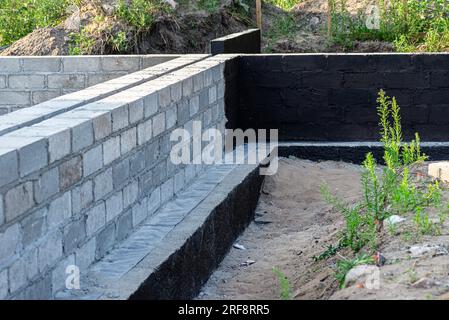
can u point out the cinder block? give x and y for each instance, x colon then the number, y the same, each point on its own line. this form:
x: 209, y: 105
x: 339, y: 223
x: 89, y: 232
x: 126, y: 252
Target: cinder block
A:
x: 81, y: 64
x: 152, y: 154
x: 176, y: 91
x: 204, y: 99
x: 187, y: 87
x: 151, y: 104
x: 120, y: 173
x: 194, y: 105
x: 42, y: 64
x: 120, y: 118
x: 15, y: 98
x: 117, y: 63
x: 59, y: 275
x: 105, y: 241
x: 171, y: 117
x: 208, y: 77
x: 158, y: 124
x: 103, y: 184
x: 102, y: 126
x: 137, y: 163
x: 85, y: 255
x: 4, y: 288
x: 183, y: 112
x: 2, y: 82
x: 44, y: 95
x: 60, y: 210
x: 11, y: 242
x: 212, y: 94
x: 167, y: 191
x: 31, y: 263
x: 50, y: 251
x: 26, y: 82
x: 144, y: 132
x: 66, y: 81
x: 136, y: 111
x: 220, y: 89
x: 47, y: 185
x: 198, y: 82
x: 179, y: 181
x: 40, y: 290
x: 82, y: 197
x: 93, y: 160
x: 114, y: 206
x: 74, y: 234
x: 2, y: 214
x: 9, y: 166
x: 139, y: 212
x: 10, y: 65
x: 17, y: 276
x: 82, y: 136
x: 111, y: 150
x: 33, y: 151
x: 70, y: 172
x: 34, y: 226
x: 128, y: 140
x: 154, y: 201
x: 18, y: 200
x: 96, y: 219
x: 146, y: 183
x: 164, y: 97
x: 160, y: 172
x: 130, y: 194
x: 124, y: 226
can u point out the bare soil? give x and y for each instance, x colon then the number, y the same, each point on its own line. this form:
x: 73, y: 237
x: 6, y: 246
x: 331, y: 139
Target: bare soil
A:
x: 293, y: 225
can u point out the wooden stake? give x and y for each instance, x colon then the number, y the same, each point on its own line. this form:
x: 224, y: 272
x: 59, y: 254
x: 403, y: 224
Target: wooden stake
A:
x: 329, y: 18
x: 259, y: 14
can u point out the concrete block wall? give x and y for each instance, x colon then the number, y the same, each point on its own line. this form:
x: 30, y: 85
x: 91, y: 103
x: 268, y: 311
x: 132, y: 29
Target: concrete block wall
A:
x: 332, y: 97
x: 27, y: 81
x: 74, y: 185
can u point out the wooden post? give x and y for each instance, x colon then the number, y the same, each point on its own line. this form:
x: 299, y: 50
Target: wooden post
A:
x: 329, y: 18
x: 259, y: 14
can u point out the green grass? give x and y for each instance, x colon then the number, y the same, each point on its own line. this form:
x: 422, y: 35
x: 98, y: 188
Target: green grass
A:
x: 284, y: 4
x: 345, y: 265
x: 141, y: 14
x: 411, y: 25
x: 283, y: 27
x: 20, y: 17
x: 284, y: 285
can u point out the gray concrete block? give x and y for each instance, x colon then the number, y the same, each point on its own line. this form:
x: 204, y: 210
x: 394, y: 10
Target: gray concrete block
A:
x: 102, y: 126
x: 151, y: 154
x: 17, y: 276
x: 103, y: 184
x: 120, y: 173
x: 11, y: 242
x: 2, y: 82
x: 167, y: 191
x: 96, y: 218
x: 187, y: 87
x: 93, y: 160
x: 4, y: 288
x: 208, y: 77
x: 120, y: 118
x: 44, y: 95
x: 128, y: 140
x: 40, y: 290
x: 146, y: 183
x: 66, y: 81
x: 158, y: 124
x: 82, y: 197
x: 136, y: 111
x: 114, y: 206
x: 212, y: 94
x: 221, y: 89
x: 160, y: 172
x: 34, y: 226
x: 81, y: 64
x: 59, y: 210
x: 111, y: 150
x: 50, y: 251
x: 82, y: 136
x: 194, y: 105
x: 164, y: 97
x: 47, y: 185
x: 179, y: 181
x: 144, y: 132
x: 154, y: 201
x: 74, y: 234
x: 70, y: 172
x: 105, y: 240
x: 114, y: 63
x: 26, y: 82
x: 204, y: 99
x: 18, y: 200
x: 59, y: 145
x: 9, y: 166
x: 31, y: 263
x: 124, y: 226
x: 171, y: 117
x: 16, y: 98
x: 139, y: 212
x: 42, y: 64
x: 2, y: 213
x: 151, y: 105
x: 59, y: 275
x: 130, y: 194
x: 137, y: 163
x: 85, y: 255
x: 183, y: 112
x: 10, y: 65
x: 176, y: 91
x: 198, y: 82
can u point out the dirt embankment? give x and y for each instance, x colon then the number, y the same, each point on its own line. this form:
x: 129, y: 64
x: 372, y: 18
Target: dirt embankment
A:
x: 293, y: 225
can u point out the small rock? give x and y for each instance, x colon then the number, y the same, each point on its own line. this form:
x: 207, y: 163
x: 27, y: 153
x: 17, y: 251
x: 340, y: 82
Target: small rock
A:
x: 394, y: 219
x: 427, y: 250
x: 314, y: 21
x: 239, y: 246
x: 247, y: 263
x: 172, y: 3
x: 361, y: 274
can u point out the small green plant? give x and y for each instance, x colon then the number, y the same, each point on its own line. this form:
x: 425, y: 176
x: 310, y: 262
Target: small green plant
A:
x: 119, y: 42
x: 284, y: 284
x: 283, y: 27
x: 80, y: 43
x: 284, y: 4
x: 209, y: 5
x: 345, y: 265
x: 141, y: 14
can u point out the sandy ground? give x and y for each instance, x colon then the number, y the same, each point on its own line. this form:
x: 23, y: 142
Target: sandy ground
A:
x: 293, y: 224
